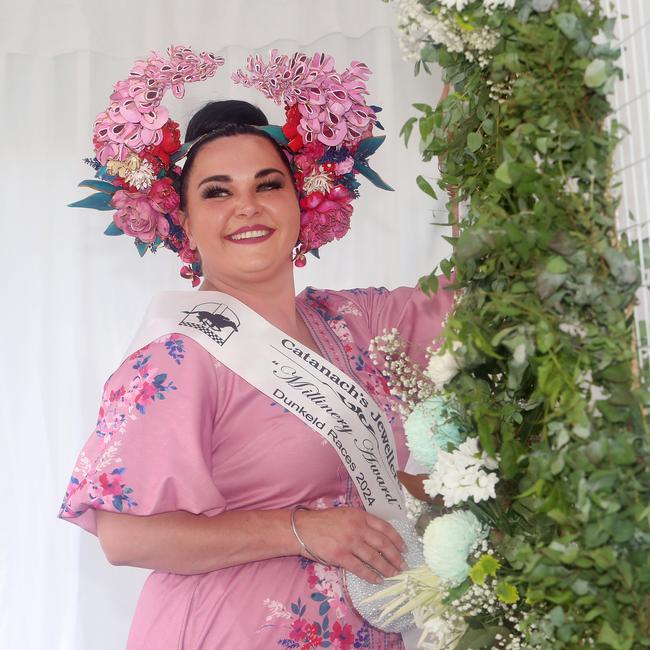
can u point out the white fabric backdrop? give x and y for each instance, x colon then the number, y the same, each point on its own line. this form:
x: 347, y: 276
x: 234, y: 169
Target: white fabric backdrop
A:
x: 632, y: 102
x: 73, y: 297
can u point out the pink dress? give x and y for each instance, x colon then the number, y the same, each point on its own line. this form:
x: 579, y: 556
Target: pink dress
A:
x: 177, y: 430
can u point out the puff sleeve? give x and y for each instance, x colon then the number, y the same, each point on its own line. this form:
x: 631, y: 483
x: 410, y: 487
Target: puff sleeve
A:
x: 151, y: 449
x: 418, y: 317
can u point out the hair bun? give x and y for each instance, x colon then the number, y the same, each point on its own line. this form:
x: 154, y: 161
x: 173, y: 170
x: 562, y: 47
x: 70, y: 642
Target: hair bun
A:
x: 228, y: 111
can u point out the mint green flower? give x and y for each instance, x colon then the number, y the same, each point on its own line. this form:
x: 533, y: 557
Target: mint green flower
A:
x: 433, y: 424
x: 448, y: 541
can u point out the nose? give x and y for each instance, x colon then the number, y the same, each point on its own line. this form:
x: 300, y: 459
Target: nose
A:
x: 248, y: 204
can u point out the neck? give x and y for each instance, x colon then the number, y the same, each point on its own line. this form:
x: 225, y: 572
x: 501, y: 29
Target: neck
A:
x: 274, y: 299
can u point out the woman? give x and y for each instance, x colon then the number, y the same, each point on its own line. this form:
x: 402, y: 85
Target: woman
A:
x: 195, y: 474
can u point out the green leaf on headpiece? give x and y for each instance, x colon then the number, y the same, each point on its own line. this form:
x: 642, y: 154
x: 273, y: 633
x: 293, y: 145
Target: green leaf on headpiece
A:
x: 113, y: 230
x: 141, y: 246
x: 368, y: 146
x: 98, y: 201
x: 181, y: 153
x: 275, y: 132
x: 372, y: 175
x: 100, y: 186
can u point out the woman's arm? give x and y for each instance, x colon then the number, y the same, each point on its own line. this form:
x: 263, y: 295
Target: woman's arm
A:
x: 181, y: 542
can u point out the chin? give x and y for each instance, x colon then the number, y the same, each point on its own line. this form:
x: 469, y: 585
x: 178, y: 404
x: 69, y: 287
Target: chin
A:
x: 250, y: 268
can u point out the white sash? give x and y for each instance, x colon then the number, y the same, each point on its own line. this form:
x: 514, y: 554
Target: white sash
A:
x: 295, y: 377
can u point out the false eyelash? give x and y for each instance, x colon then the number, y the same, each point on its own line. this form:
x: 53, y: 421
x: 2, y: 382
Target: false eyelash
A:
x: 213, y: 191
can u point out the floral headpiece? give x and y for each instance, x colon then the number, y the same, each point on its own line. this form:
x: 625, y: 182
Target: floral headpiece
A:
x: 329, y: 131
x: 328, y: 134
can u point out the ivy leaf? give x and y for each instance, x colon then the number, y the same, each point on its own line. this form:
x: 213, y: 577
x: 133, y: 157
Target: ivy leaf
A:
x: 502, y: 174
x: 596, y: 73
x: 557, y: 265
x: 429, y: 53
x: 429, y: 283
x: 567, y: 23
x: 424, y: 185
x: 542, y: 6
x: 474, y: 639
x: 542, y: 145
x: 474, y: 141
x: 423, y: 108
x: 407, y: 129
x: 608, y: 637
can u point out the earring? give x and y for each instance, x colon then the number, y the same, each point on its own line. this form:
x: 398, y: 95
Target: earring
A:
x: 298, y: 257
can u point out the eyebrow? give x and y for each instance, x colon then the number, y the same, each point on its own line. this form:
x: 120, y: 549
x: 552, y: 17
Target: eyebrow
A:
x: 223, y: 178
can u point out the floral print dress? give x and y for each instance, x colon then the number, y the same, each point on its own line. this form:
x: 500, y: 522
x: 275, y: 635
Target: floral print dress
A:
x: 177, y: 430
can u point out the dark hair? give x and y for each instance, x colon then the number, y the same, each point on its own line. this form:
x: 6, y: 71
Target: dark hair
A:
x: 221, y: 119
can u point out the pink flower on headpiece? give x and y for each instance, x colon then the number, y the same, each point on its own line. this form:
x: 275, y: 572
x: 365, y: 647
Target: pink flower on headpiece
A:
x: 136, y: 216
x: 325, y: 217
x: 332, y: 107
x: 344, y: 167
x: 163, y: 196
x: 136, y: 117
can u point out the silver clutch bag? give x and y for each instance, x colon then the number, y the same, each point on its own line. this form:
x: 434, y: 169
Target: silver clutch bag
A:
x: 359, y: 590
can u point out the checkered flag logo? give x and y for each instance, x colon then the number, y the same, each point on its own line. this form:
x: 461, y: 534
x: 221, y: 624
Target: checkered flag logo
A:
x: 214, y: 319
x: 206, y: 330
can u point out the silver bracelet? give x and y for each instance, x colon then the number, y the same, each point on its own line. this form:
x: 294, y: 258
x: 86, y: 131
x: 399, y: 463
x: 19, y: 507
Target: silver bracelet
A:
x: 295, y: 532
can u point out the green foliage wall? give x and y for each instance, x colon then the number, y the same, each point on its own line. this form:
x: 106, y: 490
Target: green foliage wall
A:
x: 545, y: 321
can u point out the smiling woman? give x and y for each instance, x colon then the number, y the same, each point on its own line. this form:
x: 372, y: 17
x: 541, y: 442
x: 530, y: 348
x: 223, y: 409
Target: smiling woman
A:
x: 247, y: 512
x: 237, y: 188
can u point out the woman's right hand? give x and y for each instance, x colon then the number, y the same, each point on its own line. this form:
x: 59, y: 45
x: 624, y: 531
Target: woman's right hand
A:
x: 352, y: 539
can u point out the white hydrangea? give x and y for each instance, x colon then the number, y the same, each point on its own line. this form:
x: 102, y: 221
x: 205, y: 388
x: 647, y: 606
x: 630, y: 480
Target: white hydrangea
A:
x: 448, y: 541
x: 461, y: 475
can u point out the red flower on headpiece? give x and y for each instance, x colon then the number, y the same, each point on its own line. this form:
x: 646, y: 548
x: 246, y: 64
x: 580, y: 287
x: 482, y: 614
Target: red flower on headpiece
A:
x: 169, y: 145
x: 290, y: 129
x: 163, y: 196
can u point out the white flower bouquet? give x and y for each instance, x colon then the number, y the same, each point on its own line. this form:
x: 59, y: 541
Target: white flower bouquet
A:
x: 461, y: 594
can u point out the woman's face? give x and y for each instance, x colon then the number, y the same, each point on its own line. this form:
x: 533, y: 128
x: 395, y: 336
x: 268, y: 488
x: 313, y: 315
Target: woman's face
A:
x: 241, y: 210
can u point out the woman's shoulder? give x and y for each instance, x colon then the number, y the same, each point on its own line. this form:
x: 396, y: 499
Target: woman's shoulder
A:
x: 334, y: 298
x: 172, y: 356
x: 367, y: 297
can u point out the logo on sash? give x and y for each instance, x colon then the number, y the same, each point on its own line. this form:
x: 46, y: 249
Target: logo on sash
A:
x: 214, y: 319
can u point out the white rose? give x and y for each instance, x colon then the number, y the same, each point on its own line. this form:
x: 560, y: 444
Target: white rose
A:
x: 443, y: 367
